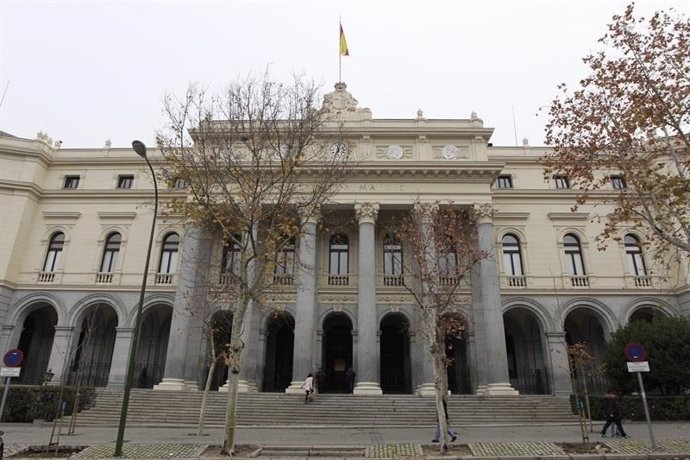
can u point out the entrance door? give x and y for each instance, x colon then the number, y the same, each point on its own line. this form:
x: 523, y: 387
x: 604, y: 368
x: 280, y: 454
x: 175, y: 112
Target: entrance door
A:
x: 458, y: 371
x: 280, y: 339
x: 395, y: 354
x: 337, y: 353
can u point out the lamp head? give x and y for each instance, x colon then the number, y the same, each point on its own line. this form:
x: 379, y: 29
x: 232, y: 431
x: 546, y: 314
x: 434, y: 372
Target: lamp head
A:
x: 140, y: 148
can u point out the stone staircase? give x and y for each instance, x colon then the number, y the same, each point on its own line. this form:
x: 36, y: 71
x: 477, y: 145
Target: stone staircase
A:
x: 163, y: 408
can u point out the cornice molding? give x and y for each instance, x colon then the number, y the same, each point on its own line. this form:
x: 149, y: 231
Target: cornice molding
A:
x: 579, y: 216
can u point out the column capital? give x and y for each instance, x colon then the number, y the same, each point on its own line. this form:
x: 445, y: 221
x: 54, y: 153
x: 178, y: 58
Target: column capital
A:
x: 366, y: 212
x: 485, y: 212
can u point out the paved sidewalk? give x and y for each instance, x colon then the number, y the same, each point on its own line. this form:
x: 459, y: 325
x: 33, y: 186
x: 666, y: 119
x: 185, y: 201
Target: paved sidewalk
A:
x: 504, y: 439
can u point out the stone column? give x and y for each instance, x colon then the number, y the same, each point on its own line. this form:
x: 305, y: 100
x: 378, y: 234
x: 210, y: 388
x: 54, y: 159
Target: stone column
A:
x: 303, y: 357
x: 190, y: 298
x: 118, y: 366
x: 560, y: 367
x: 367, y: 327
x: 428, y: 385
x: 479, y: 349
x: 60, y: 353
x: 492, y: 326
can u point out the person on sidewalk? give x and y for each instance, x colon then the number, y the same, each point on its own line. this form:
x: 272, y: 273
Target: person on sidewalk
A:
x: 308, y: 386
x: 437, y: 434
x: 612, y: 413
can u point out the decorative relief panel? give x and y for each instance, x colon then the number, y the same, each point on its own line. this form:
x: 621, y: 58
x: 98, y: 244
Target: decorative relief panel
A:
x: 451, y: 152
x: 337, y: 299
x: 394, y: 299
x: 281, y: 299
x: 393, y: 152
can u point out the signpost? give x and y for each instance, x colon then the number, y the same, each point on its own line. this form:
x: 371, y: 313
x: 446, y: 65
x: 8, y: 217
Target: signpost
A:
x: 637, y: 363
x: 12, y: 362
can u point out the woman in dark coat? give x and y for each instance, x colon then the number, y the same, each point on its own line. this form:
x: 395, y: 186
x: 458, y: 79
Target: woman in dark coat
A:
x: 612, y: 413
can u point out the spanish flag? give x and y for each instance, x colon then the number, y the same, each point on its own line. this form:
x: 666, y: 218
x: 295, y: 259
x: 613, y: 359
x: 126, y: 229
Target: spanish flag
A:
x: 343, y: 43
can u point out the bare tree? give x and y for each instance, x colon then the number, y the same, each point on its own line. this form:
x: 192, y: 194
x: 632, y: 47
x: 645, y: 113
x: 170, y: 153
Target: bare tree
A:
x: 256, y: 163
x: 442, y: 239
x: 622, y: 137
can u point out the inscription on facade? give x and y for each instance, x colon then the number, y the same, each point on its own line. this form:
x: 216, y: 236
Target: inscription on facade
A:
x: 382, y: 188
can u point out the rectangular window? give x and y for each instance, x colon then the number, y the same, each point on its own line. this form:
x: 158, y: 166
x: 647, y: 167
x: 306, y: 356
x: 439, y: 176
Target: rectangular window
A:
x: 71, y: 182
x: 618, y: 183
x: 125, y: 181
x: 561, y: 181
x: 505, y: 181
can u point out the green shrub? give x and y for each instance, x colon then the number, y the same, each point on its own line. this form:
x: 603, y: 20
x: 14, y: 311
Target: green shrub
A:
x: 25, y: 403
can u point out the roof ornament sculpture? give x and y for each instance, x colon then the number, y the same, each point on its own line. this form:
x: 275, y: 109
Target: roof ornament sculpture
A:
x: 341, y: 103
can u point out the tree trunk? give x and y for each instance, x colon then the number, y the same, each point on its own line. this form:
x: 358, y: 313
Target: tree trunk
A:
x: 204, y: 399
x: 231, y: 413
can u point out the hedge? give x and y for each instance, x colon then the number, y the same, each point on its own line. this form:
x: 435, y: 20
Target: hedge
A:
x: 26, y: 403
x: 661, y: 408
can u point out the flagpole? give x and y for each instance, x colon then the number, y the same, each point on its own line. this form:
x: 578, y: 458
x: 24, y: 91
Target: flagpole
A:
x: 340, y: 54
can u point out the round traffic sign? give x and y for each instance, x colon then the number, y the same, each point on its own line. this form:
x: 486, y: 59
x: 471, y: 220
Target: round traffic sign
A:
x: 635, y: 352
x: 13, y: 358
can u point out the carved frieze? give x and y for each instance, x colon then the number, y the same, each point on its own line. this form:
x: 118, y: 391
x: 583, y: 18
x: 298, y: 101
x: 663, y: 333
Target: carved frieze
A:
x: 393, y: 152
x: 337, y: 299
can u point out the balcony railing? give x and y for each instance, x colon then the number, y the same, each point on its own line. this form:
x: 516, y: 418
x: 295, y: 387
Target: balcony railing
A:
x: 393, y: 280
x: 579, y: 280
x: 227, y: 279
x: 46, y: 277
x: 642, y: 281
x: 338, y: 280
x: 448, y: 281
x: 104, y: 278
x: 284, y: 279
x: 165, y: 279
x: 516, y: 280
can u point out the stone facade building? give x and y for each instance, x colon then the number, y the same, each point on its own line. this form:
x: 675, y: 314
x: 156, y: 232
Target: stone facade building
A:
x: 74, y: 234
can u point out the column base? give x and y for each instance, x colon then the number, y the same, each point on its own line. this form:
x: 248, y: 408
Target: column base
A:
x: 426, y: 389
x: 481, y: 390
x: 367, y: 388
x: 243, y: 386
x: 172, y: 385
x: 295, y: 388
x: 500, y: 389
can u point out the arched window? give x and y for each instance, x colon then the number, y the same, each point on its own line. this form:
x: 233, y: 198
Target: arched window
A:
x: 633, y: 249
x: 57, y: 243
x: 169, y: 252
x: 392, y: 261
x: 512, y: 259
x: 285, y: 263
x: 338, y: 262
x: 110, y: 253
x: 574, y: 262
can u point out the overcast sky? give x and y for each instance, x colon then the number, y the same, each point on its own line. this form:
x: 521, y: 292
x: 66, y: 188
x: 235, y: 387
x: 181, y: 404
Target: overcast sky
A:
x: 87, y: 71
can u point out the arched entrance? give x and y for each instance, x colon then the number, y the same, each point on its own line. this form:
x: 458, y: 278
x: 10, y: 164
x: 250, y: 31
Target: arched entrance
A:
x: 336, y: 353
x: 646, y: 313
x: 94, y: 349
x: 525, y: 349
x: 585, y: 325
x: 36, y: 341
x: 153, y: 345
x: 221, y: 324
x: 280, y: 339
x: 395, y: 354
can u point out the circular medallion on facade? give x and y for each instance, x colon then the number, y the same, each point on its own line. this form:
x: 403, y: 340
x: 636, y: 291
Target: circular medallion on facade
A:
x: 450, y: 152
x: 394, y: 152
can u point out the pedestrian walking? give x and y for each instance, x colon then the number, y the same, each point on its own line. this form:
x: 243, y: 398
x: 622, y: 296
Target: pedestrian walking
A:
x: 308, y: 386
x: 612, y: 414
x: 437, y: 434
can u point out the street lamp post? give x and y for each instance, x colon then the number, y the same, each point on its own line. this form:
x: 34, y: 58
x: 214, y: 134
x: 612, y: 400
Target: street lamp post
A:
x: 140, y: 149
